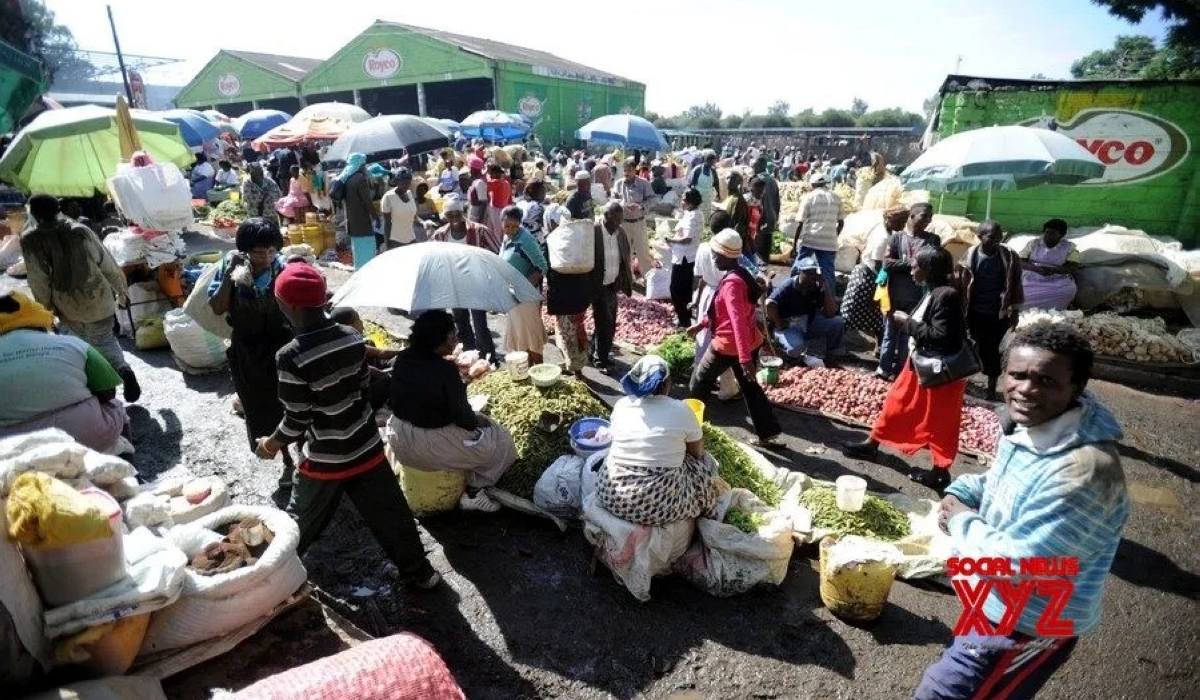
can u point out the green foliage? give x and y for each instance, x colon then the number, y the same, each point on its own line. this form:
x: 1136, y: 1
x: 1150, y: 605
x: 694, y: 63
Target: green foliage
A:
x: 736, y: 468
x: 779, y: 108
x: 744, y: 520
x: 878, y: 518
x: 893, y: 116
x: 679, y: 352
x: 1126, y: 60
x: 731, y: 121
x: 30, y: 27
x: 836, y: 117
x: 858, y: 107
x: 1181, y: 15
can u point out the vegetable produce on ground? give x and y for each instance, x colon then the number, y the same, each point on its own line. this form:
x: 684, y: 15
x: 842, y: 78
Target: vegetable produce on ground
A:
x: 679, y: 352
x: 736, y: 468
x: 878, y: 518
x: 640, y: 321
x: 859, y: 397
x: 228, y: 209
x: 744, y: 520
x: 379, y: 335
x: 1124, y: 337
x: 518, y: 406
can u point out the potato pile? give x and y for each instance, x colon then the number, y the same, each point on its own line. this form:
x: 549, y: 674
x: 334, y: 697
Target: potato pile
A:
x: 1123, y: 337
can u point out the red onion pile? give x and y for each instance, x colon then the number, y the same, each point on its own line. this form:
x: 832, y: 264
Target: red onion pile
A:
x: 859, y: 398
x: 640, y: 321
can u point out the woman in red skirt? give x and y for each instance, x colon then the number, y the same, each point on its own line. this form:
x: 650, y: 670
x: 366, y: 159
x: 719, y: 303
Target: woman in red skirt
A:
x: 916, y: 417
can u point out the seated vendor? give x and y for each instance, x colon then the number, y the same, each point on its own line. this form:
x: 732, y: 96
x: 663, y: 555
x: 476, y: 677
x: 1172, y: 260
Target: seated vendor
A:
x: 379, y: 360
x: 657, y: 472
x: 803, y: 308
x: 54, y: 381
x: 433, y: 427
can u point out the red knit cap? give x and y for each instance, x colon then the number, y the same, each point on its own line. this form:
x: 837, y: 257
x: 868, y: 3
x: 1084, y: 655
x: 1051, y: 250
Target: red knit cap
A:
x: 301, y: 285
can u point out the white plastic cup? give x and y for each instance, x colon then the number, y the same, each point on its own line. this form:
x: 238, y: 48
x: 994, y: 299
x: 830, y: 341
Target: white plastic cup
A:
x: 851, y: 492
x: 518, y: 365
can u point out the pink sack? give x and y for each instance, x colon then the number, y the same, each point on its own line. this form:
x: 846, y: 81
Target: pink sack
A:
x: 402, y: 666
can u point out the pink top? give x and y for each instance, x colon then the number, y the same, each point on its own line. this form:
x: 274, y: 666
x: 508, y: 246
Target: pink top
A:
x: 737, y: 332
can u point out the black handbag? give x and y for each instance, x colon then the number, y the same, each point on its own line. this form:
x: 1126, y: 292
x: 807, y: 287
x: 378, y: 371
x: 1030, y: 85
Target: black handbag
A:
x: 935, y: 370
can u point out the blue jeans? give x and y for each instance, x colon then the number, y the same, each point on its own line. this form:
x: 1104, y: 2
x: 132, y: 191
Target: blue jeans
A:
x: 825, y: 259
x: 793, y: 339
x: 473, y: 332
x: 895, y: 349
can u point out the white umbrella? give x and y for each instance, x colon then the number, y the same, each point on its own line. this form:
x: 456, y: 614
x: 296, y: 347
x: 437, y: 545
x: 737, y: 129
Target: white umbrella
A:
x: 437, y: 275
x: 1001, y: 158
x: 337, y: 111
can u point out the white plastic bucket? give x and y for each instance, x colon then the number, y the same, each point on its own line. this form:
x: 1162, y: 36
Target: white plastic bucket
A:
x: 851, y: 492
x: 518, y: 365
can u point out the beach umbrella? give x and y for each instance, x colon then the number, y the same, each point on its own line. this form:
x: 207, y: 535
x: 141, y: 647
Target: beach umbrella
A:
x: 339, y: 111
x: 1001, y: 158
x: 437, y: 275
x: 494, y: 126
x: 193, y: 126
x: 383, y: 138
x: 214, y: 116
x: 449, y: 125
x: 257, y: 122
x: 626, y: 129
x: 73, y: 152
x: 299, y: 130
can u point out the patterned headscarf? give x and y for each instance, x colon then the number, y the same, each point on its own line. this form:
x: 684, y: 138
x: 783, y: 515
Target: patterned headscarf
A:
x: 646, y: 376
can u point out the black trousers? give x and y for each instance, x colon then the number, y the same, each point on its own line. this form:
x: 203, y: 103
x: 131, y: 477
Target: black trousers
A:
x: 987, y: 330
x: 704, y: 380
x: 604, y: 313
x: 377, y: 497
x: 683, y: 276
x: 763, y: 241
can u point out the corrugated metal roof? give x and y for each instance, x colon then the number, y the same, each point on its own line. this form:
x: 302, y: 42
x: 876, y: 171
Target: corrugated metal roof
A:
x: 498, y: 51
x: 290, y: 67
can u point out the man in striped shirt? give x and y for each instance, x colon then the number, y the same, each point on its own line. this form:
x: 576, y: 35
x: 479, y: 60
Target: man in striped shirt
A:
x: 1056, y: 490
x: 323, y: 379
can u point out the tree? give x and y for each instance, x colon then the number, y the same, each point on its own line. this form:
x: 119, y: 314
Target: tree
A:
x: 707, y: 122
x: 1181, y: 15
x: 1177, y: 60
x: 890, y: 117
x: 858, y: 107
x: 930, y: 104
x: 835, y: 117
x: 1128, y: 57
x: 805, y: 119
x: 779, y: 108
x: 732, y: 121
x: 695, y: 112
x: 31, y: 28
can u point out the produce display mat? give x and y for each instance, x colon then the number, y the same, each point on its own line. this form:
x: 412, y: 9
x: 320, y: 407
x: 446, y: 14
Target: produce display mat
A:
x: 846, y: 420
x: 165, y: 664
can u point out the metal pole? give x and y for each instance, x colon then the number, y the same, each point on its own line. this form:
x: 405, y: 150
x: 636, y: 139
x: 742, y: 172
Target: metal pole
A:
x: 120, y: 56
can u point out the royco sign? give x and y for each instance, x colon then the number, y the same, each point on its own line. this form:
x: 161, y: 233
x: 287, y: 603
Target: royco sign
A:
x: 382, y: 64
x: 229, y: 85
x: 1134, y: 146
x: 1145, y: 133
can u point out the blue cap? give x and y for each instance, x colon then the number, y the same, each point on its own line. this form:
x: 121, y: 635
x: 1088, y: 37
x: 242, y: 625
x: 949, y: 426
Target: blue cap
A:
x: 808, y: 262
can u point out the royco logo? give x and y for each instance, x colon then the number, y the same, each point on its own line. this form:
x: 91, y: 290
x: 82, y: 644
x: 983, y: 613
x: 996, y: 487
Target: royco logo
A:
x: 229, y: 85
x: 382, y: 63
x: 1133, y: 146
x: 530, y: 106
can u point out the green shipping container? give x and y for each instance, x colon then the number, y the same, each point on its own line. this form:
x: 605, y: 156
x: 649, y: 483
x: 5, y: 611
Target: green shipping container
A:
x: 1145, y: 132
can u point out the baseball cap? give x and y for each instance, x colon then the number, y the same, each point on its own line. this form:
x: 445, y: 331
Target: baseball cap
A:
x: 301, y: 285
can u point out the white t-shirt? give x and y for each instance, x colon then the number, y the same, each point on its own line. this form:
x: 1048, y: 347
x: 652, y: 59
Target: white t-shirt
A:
x: 204, y: 169
x: 228, y: 177
x: 876, y: 247
x: 691, y: 225
x: 652, y: 432
x: 706, y: 267
x: 403, y: 214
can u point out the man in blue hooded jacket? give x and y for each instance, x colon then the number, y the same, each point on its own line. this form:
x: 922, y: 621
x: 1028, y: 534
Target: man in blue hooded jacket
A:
x: 1056, y: 490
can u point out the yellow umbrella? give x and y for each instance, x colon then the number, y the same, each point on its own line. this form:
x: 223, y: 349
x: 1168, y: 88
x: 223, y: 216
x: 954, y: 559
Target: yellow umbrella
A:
x: 127, y: 133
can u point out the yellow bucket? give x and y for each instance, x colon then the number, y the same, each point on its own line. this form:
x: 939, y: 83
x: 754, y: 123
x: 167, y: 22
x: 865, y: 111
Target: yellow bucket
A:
x: 235, y: 196
x: 314, y: 237
x: 427, y: 492
x: 697, y: 407
x: 858, y: 591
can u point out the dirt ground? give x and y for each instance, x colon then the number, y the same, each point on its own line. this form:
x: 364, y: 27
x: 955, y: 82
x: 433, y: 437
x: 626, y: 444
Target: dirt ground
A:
x: 525, y: 614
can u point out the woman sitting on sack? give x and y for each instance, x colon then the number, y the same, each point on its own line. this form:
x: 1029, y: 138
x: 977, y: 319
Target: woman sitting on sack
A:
x: 657, y: 471
x: 433, y: 427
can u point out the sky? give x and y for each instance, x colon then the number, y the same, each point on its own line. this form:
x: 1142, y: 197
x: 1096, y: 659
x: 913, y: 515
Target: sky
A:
x: 741, y: 56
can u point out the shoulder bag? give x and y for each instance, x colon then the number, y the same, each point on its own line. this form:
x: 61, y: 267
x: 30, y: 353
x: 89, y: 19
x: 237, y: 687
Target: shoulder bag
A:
x: 935, y: 369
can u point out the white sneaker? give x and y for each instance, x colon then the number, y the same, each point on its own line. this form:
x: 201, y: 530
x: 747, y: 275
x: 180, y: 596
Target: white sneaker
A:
x: 480, y: 502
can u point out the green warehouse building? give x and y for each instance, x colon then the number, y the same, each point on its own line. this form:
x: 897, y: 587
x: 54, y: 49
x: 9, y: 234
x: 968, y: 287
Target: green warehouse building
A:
x: 400, y: 69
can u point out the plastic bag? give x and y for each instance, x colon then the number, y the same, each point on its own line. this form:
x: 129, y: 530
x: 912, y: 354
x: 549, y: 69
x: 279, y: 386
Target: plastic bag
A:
x: 150, y: 334
x: 10, y: 251
x: 634, y: 553
x: 658, y: 283
x: 572, y: 247
x: 155, y: 196
x: 198, y: 309
x: 145, y: 301
x: 559, y: 489
x: 196, y: 350
x: 725, y: 561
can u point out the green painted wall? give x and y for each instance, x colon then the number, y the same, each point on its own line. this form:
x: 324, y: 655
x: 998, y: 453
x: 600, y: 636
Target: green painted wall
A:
x: 385, y: 55
x: 228, y: 80
x: 1148, y: 136
x: 558, y: 106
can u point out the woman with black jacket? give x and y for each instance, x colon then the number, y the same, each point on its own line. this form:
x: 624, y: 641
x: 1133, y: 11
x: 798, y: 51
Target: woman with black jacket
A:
x: 916, y: 417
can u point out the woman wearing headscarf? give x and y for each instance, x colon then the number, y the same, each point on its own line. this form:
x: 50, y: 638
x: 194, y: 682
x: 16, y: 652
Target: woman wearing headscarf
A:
x: 657, y: 471
x: 359, y: 204
x: 243, y: 291
x: 915, y: 417
x: 859, y: 307
x: 54, y: 381
x: 477, y: 193
x: 259, y: 193
x: 73, y: 275
x: 739, y: 211
x: 433, y: 427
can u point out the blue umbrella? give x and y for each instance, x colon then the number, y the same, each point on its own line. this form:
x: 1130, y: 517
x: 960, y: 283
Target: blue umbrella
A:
x: 626, y: 129
x: 494, y: 126
x: 257, y: 122
x: 194, y: 128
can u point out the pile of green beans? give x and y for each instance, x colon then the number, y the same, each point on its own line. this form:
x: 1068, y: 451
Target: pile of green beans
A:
x: 878, y: 518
